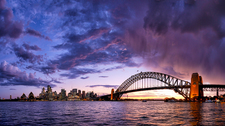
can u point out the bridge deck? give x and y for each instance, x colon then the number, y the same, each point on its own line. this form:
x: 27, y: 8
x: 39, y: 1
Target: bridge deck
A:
x: 166, y: 87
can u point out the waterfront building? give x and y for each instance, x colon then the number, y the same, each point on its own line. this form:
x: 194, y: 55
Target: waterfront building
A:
x: 88, y: 95
x: 43, y: 94
x: 63, y: 94
x: 49, y: 89
x: 83, y: 94
x: 73, y: 98
x: 23, y: 97
x: 79, y: 93
x: 10, y: 97
x: 74, y: 92
x: 54, y: 95
x: 49, y: 93
x: 59, y: 96
x: 70, y: 94
x: 31, y: 96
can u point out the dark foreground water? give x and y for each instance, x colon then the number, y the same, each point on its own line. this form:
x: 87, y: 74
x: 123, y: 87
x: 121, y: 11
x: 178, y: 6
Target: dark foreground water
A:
x: 111, y: 113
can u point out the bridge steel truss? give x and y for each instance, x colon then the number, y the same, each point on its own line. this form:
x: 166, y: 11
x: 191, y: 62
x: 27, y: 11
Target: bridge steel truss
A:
x: 180, y: 86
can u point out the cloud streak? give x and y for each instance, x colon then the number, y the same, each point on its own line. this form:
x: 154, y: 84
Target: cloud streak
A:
x: 36, y: 34
x: 103, y: 76
x: 105, y: 86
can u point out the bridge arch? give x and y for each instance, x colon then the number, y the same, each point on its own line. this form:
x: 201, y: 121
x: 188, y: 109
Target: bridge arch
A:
x: 179, y: 86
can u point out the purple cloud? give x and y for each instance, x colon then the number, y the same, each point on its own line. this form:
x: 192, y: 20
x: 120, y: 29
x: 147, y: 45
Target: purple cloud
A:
x: 8, y: 27
x: 74, y: 72
x: 29, y: 47
x: 11, y: 75
x: 26, y: 55
x: 37, y: 34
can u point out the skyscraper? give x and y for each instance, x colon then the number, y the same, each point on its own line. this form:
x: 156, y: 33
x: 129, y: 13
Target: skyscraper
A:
x: 74, y: 92
x: 63, y: 94
x: 79, y: 93
x: 49, y: 90
x: 83, y: 94
x: 43, y: 90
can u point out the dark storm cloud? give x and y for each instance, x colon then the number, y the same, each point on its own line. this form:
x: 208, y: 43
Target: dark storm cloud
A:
x: 26, y: 55
x: 11, y: 75
x: 8, y: 27
x: 37, y: 34
x: 183, y: 37
x: 185, y: 16
x: 106, y: 86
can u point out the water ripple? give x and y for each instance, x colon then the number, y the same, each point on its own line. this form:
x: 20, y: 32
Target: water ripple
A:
x: 101, y: 113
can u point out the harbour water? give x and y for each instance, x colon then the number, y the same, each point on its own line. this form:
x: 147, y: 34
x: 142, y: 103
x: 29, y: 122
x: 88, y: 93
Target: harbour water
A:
x: 118, y: 113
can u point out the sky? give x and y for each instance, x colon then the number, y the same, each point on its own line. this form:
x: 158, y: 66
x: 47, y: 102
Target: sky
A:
x: 95, y: 45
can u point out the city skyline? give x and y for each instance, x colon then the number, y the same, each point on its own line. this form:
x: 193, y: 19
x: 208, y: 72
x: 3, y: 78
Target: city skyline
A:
x: 97, y: 45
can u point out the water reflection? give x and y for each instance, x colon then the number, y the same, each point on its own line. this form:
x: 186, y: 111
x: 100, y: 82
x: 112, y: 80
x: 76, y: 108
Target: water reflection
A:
x: 196, y: 113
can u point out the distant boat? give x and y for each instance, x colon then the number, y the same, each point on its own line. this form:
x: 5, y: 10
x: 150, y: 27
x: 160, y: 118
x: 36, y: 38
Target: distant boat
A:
x: 217, y: 101
x: 209, y: 101
x: 144, y: 101
x: 171, y: 100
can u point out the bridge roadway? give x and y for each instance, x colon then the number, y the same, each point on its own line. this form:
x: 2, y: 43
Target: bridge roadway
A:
x: 212, y: 86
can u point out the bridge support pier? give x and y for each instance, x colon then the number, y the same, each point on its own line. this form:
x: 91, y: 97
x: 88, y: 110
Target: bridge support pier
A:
x: 196, y: 91
x: 112, y: 96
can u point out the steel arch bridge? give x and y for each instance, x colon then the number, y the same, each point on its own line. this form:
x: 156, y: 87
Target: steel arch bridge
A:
x: 169, y: 82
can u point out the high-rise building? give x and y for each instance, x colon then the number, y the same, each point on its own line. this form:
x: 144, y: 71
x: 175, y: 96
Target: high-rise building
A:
x: 79, y: 93
x: 83, y: 94
x: 49, y: 89
x: 43, y: 90
x: 88, y: 95
x: 10, y: 97
x: 63, y: 94
x: 74, y: 92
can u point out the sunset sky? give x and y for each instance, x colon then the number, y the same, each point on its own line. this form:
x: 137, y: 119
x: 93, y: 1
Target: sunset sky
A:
x: 95, y: 45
